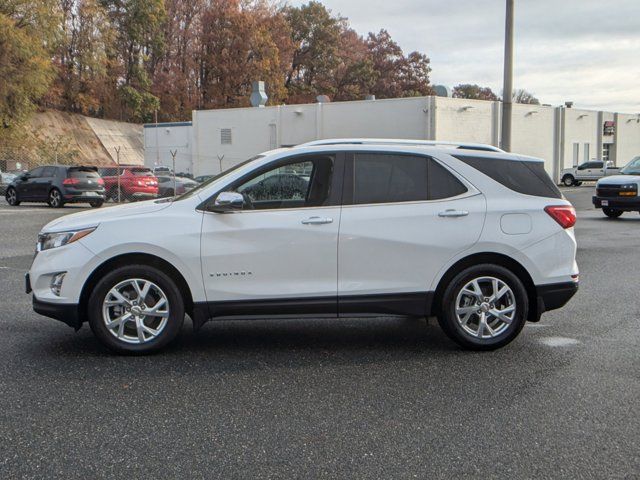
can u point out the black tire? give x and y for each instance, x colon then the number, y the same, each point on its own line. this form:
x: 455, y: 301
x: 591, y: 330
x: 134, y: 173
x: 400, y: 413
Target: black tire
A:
x: 96, y: 203
x: 568, y: 181
x: 144, y: 272
x: 611, y: 212
x: 577, y: 184
x: 11, y: 196
x: 55, y: 199
x: 454, y: 330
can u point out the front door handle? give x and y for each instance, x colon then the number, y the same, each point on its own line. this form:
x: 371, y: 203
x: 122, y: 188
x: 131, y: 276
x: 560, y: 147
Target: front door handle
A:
x: 453, y: 213
x: 317, y: 220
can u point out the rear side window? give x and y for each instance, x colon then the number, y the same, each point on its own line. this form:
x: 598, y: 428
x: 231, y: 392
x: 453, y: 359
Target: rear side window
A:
x: 82, y: 173
x: 48, y: 172
x: 141, y: 172
x: 391, y: 178
x: 521, y: 176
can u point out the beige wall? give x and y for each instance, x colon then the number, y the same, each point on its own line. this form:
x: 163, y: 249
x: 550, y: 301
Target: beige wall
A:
x: 627, y: 138
x: 464, y: 120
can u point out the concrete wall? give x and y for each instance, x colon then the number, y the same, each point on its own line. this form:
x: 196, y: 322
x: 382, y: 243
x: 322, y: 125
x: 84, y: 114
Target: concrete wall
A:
x: 160, y: 141
x: 539, y: 131
x: 627, y: 138
x: 461, y: 120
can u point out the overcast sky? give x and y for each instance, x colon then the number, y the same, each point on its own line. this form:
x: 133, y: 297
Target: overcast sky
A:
x: 587, y: 51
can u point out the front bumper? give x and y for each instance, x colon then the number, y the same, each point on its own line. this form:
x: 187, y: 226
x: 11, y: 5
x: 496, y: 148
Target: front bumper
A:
x: 555, y: 295
x: 68, y: 313
x: 630, y: 204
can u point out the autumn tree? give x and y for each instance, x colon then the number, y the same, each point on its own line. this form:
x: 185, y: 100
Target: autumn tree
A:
x: 474, y: 92
x: 522, y: 96
x: 27, y: 36
x: 134, y: 55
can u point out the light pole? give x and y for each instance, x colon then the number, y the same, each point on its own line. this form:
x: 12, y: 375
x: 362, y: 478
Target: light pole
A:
x: 507, y: 89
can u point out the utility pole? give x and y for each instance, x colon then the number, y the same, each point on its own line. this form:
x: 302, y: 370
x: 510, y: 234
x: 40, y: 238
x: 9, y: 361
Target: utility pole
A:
x: 507, y: 90
x: 173, y: 162
x: 117, y: 149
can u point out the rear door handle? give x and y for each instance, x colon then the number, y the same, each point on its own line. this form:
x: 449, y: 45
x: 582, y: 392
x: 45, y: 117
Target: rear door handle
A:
x: 317, y: 220
x: 453, y: 213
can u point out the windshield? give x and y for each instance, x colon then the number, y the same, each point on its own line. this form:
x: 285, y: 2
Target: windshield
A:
x: 632, y: 168
x: 215, y: 178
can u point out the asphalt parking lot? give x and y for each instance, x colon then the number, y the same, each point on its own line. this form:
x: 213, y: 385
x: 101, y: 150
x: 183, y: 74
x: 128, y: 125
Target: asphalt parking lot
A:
x: 382, y: 398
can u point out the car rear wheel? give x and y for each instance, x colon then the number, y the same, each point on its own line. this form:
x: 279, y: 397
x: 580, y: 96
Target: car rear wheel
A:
x: 484, y: 307
x: 96, y: 203
x: 11, y: 196
x: 136, y: 309
x: 612, y: 212
x: 568, y: 180
x: 55, y: 199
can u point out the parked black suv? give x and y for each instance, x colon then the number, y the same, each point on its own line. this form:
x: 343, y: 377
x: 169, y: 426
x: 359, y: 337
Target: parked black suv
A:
x: 57, y: 185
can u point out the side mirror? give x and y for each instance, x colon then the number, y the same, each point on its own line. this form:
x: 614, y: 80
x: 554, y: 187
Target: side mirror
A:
x: 228, y: 202
x: 24, y: 176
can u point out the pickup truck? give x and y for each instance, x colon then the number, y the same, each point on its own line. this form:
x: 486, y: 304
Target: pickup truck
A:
x: 587, y: 172
x: 619, y: 193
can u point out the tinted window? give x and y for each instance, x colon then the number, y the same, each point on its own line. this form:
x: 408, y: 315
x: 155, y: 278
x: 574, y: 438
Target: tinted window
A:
x: 528, y: 177
x: 36, y: 172
x: 141, y: 172
x: 82, y: 173
x: 293, y: 185
x: 595, y: 165
x: 49, y: 172
x: 387, y: 178
x: 442, y: 183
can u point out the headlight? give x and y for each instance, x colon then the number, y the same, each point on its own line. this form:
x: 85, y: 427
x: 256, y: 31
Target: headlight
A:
x: 59, y: 239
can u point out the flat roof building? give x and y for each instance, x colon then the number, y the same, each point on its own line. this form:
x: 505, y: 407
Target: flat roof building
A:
x: 217, y: 139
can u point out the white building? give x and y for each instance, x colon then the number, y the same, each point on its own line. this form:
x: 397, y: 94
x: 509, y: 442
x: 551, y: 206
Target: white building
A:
x: 218, y: 139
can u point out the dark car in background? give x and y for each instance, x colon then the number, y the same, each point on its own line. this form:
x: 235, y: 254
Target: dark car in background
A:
x: 136, y: 183
x: 166, y: 187
x: 203, y: 178
x: 57, y: 185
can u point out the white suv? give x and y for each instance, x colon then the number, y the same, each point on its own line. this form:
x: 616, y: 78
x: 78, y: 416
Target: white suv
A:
x: 482, y: 240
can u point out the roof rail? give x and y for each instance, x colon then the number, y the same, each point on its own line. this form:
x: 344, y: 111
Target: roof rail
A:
x: 391, y: 141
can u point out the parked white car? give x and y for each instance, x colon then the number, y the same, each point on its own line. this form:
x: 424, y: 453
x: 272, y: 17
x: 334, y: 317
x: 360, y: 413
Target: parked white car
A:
x: 619, y: 193
x: 587, y: 172
x: 482, y: 240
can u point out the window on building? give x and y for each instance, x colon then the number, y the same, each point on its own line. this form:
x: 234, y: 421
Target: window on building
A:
x: 225, y: 136
x: 606, y: 152
x: 576, y: 154
x: 586, y: 152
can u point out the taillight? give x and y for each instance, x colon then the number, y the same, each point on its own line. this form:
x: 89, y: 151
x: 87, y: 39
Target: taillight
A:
x: 70, y: 181
x: 100, y: 181
x: 565, y: 215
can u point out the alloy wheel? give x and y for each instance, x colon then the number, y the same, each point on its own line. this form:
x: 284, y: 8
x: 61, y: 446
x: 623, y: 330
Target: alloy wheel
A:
x: 485, y: 307
x: 54, y: 198
x: 11, y: 196
x: 135, y: 311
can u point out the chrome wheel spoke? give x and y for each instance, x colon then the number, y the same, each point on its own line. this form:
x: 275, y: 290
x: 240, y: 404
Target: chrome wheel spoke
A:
x: 125, y: 311
x: 485, y: 307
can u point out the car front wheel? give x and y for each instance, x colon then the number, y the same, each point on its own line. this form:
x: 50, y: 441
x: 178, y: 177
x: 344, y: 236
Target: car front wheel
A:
x: 136, y: 309
x: 568, y: 180
x: 11, y: 196
x: 484, y: 307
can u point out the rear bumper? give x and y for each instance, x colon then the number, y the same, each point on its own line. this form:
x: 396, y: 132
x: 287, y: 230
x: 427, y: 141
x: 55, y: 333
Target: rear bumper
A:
x: 70, y: 195
x: 619, y: 203
x: 555, y: 295
x: 68, y: 313
x: 143, y: 195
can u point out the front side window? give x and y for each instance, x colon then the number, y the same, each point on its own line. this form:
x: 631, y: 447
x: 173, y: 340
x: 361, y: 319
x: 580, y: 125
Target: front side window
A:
x: 36, y: 172
x: 304, y: 183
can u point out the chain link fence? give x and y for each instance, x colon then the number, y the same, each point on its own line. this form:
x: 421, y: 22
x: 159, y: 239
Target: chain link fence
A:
x: 128, y: 182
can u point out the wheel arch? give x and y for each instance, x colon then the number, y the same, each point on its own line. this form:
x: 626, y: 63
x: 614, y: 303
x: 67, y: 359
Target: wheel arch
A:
x: 496, y: 259
x: 137, y: 258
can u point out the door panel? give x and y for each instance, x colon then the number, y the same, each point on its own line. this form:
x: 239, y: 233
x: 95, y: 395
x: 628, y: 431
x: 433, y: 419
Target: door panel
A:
x: 271, y: 254
x: 399, y: 248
